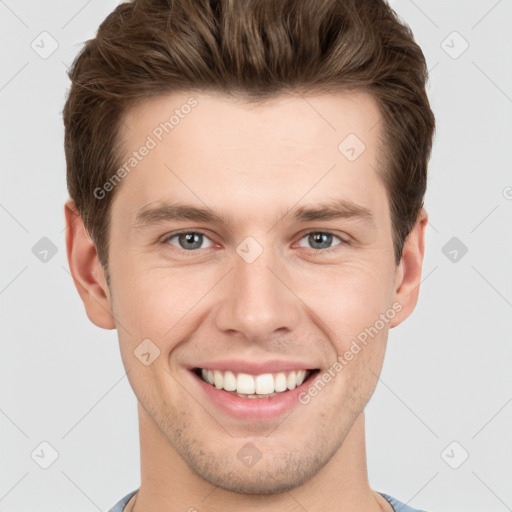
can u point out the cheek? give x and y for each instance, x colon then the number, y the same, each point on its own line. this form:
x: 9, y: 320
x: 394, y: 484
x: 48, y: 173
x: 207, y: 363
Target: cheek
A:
x: 353, y: 298
x: 362, y: 318
x: 158, y: 303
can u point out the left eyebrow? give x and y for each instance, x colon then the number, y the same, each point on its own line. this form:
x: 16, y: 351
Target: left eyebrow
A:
x: 338, y: 209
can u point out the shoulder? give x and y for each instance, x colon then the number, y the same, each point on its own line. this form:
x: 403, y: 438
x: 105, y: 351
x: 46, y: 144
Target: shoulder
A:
x: 398, y: 505
x: 119, y: 506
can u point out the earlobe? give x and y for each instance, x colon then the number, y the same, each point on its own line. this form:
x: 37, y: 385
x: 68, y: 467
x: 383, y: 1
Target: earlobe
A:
x: 86, y: 270
x: 408, y: 273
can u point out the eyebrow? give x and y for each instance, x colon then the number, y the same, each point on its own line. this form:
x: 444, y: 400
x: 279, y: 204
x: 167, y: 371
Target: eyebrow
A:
x: 336, y: 209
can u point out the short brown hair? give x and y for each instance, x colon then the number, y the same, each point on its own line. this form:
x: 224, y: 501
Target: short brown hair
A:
x: 254, y: 49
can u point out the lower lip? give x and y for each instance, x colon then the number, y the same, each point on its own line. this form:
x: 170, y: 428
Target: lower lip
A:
x: 254, y: 408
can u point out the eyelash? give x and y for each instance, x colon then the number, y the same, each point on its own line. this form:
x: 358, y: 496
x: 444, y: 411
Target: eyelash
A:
x: 315, y: 251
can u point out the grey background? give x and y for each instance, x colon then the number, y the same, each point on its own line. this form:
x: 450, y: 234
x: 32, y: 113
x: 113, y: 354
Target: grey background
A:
x: 446, y: 376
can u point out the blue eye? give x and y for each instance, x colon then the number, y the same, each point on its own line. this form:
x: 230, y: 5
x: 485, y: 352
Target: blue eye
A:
x: 320, y: 239
x: 189, y: 240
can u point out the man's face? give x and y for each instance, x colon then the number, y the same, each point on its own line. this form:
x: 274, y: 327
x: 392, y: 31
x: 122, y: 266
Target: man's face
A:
x: 264, y: 288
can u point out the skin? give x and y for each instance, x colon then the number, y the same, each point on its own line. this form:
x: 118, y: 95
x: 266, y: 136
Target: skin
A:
x: 251, y: 165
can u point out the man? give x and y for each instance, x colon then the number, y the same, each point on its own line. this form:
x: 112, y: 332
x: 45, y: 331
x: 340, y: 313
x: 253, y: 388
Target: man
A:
x: 246, y: 182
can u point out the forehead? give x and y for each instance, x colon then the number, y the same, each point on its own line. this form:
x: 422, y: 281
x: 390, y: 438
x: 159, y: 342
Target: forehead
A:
x: 284, y: 119
x: 208, y: 147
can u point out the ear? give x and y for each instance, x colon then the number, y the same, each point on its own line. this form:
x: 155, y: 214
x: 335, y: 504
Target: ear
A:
x: 87, y: 272
x: 408, y: 272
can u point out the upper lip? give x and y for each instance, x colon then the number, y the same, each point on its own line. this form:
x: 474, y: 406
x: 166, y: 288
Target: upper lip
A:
x: 255, y: 367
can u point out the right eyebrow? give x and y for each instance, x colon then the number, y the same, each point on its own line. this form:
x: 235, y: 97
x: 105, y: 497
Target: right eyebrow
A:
x: 177, y: 212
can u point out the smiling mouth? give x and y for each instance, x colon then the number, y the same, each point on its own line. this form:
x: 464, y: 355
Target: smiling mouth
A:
x: 265, y: 385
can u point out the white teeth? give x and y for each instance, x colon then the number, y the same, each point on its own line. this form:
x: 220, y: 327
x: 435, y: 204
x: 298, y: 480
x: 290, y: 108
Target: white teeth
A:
x: 244, y: 384
x: 218, y: 379
x: 264, y: 384
x: 229, y: 381
x: 301, y: 376
x: 280, y: 382
x: 291, y: 381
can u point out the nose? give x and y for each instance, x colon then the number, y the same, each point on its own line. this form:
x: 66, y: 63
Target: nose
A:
x: 257, y: 299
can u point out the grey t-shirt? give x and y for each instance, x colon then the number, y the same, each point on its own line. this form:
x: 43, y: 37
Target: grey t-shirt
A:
x: 397, y: 505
